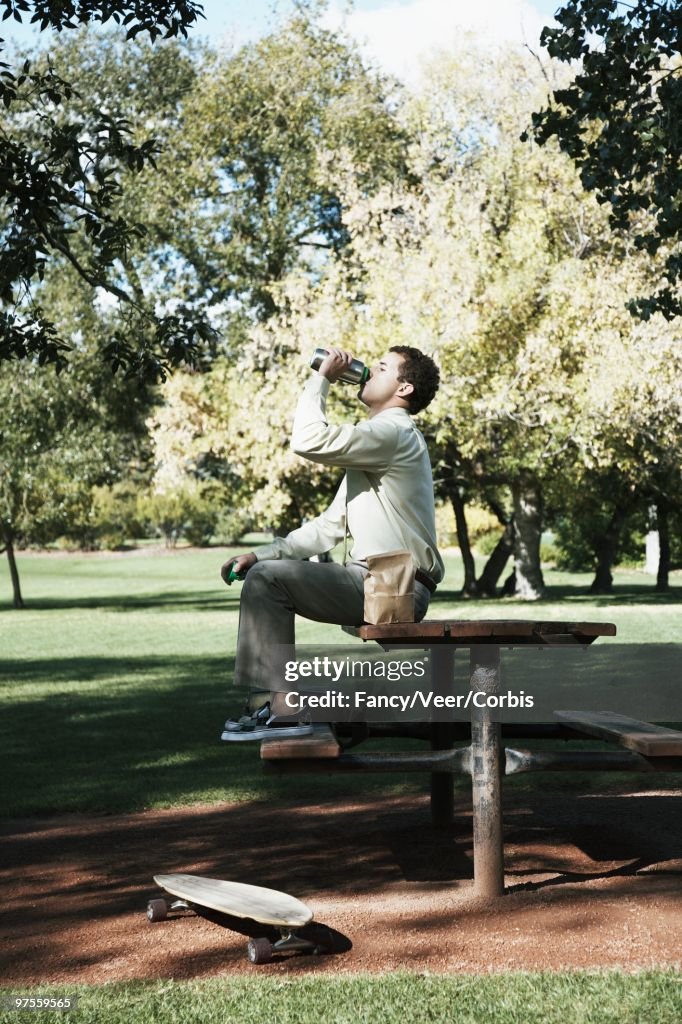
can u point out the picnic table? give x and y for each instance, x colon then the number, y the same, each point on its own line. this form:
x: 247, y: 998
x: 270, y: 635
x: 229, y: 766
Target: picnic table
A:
x: 647, y: 747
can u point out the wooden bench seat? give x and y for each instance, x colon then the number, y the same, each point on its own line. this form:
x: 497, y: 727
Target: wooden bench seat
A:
x: 642, y: 737
x: 322, y: 743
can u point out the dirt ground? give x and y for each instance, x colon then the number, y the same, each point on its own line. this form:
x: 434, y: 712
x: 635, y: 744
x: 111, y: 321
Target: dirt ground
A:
x: 592, y: 881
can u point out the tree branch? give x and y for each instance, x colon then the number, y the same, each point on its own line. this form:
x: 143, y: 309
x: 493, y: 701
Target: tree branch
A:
x: 86, y: 275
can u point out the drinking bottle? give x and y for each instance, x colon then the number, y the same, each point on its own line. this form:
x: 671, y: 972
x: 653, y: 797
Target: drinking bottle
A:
x: 355, y: 373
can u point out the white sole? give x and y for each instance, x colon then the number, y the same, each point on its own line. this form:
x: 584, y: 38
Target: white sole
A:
x: 269, y: 733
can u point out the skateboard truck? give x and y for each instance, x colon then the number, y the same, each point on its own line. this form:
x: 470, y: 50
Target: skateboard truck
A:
x: 261, y: 950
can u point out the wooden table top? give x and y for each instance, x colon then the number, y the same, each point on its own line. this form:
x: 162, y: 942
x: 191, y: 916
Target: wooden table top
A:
x: 481, y: 631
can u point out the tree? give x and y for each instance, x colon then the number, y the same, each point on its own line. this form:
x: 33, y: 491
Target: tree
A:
x: 501, y: 266
x: 60, y: 186
x: 508, y: 234
x: 628, y: 428
x: 60, y: 436
x: 63, y: 434
x: 258, y: 139
x: 242, y: 187
x: 621, y: 121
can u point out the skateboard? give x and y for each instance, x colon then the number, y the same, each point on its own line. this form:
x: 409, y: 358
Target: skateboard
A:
x: 282, y: 913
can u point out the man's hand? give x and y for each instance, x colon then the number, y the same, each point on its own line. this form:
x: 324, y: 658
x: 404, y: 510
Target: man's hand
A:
x: 334, y: 363
x: 240, y: 563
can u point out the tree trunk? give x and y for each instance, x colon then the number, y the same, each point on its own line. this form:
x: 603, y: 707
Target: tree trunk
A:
x: 527, y: 498
x: 662, y: 583
x: 509, y: 585
x: 14, y: 572
x: 606, y: 549
x: 470, y: 588
x: 494, y: 567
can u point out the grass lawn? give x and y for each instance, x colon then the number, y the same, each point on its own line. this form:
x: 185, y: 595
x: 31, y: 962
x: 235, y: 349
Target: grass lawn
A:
x: 116, y: 678
x: 651, y: 997
x: 117, y: 675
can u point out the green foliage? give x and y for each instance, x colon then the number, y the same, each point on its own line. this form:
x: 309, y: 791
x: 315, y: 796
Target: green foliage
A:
x: 446, y: 533
x: 260, y: 138
x: 116, y: 516
x: 486, y: 542
x: 60, y: 436
x: 579, y: 533
x: 301, y: 199
x: 62, y: 177
x: 500, y: 265
x: 550, y: 554
x: 620, y: 120
x: 482, y: 527
x: 231, y: 524
x: 197, y: 511
x: 259, y: 135
x: 480, y: 522
x: 166, y: 513
x: 206, y: 507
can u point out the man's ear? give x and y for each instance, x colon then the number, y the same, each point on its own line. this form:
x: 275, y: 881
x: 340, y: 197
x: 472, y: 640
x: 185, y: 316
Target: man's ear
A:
x: 405, y: 389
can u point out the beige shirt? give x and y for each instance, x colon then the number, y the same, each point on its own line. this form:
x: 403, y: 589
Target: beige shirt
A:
x: 387, y: 490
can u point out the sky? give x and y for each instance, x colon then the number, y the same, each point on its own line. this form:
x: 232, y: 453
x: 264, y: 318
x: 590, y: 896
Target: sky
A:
x: 394, y: 34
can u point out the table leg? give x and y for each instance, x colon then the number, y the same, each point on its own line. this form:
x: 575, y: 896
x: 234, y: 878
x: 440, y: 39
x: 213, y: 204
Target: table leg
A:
x: 486, y: 776
x: 442, y: 737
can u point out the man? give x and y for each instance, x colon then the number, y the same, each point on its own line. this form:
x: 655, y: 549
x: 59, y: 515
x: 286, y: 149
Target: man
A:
x: 385, y: 502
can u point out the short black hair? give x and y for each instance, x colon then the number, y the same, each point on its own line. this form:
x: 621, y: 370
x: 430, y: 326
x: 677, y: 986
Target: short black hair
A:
x: 421, y: 372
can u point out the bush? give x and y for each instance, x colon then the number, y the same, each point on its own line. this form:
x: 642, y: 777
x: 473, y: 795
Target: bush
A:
x: 549, y: 553
x: 231, y: 525
x: 446, y: 533
x: 166, y: 513
x: 577, y: 540
x: 480, y: 523
x: 487, y: 542
x: 209, y: 516
x: 198, y: 512
x: 116, y: 514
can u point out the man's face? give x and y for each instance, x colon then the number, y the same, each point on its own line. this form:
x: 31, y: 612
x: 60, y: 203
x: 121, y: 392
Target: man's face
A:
x: 383, y: 384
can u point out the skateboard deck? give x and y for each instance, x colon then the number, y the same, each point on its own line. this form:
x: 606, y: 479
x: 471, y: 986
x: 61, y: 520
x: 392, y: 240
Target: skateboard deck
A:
x: 231, y: 901
x: 267, y: 906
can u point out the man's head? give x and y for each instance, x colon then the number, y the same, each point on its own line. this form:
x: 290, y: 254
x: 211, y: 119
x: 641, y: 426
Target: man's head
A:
x: 403, y: 378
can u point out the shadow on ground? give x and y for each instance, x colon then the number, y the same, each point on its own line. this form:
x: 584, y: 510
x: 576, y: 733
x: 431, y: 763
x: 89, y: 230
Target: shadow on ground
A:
x: 76, y: 888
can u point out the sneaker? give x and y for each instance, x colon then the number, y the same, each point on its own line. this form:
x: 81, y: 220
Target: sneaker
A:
x: 260, y: 726
x: 250, y: 720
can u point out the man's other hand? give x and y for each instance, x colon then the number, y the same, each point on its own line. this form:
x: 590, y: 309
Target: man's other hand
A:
x: 334, y: 363
x: 240, y: 563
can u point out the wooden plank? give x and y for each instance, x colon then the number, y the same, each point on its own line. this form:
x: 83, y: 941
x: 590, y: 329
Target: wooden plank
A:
x: 441, y: 761
x: 592, y: 629
x: 481, y: 630
x: 489, y: 628
x: 643, y: 737
x: 527, y: 628
x: 427, y: 629
x: 320, y: 743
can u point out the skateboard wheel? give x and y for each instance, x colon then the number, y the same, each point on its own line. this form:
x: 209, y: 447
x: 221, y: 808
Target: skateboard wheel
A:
x: 157, y: 910
x: 259, y: 951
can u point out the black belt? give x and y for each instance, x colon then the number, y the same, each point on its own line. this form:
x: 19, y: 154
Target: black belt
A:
x: 421, y: 577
